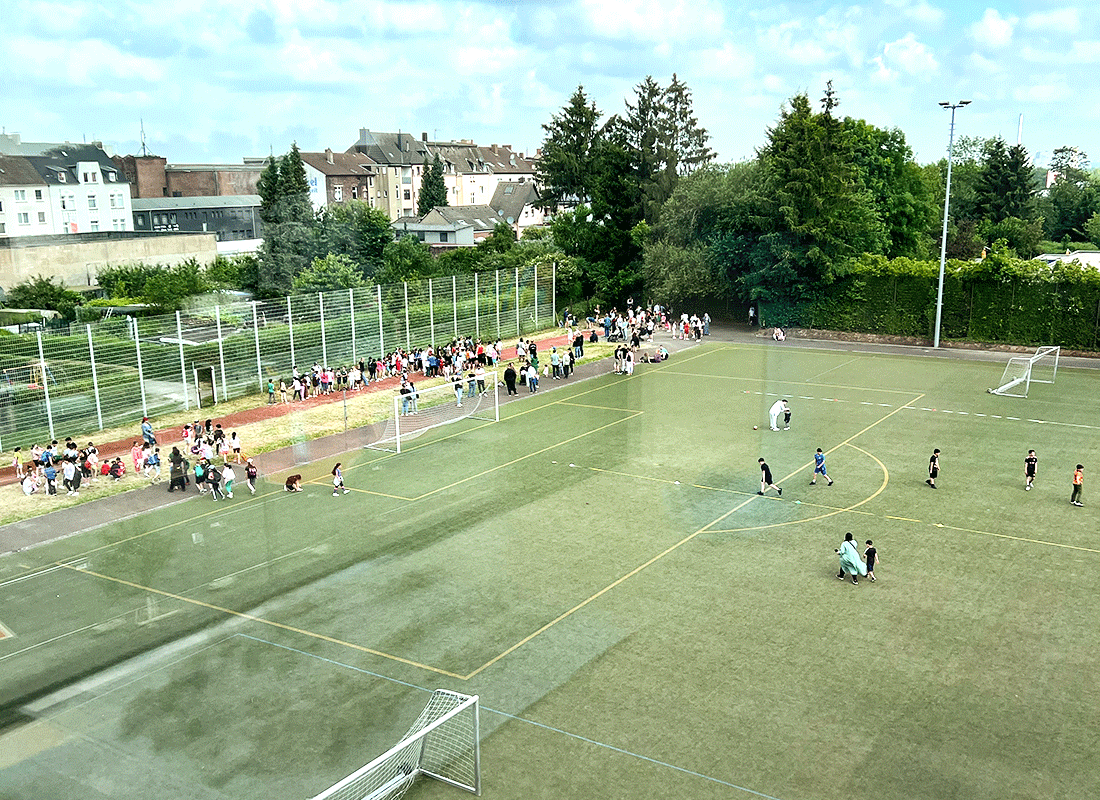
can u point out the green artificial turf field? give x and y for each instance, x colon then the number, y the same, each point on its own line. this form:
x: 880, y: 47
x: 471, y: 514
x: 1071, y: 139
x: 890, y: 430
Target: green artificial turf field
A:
x: 599, y: 569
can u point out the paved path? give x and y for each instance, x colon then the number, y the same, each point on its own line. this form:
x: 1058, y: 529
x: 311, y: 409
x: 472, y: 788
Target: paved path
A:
x: 85, y: 516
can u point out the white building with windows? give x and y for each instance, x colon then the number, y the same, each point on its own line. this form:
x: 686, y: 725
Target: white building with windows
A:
x: 66, y: 188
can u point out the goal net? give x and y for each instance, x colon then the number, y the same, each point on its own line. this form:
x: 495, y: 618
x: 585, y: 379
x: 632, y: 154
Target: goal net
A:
x: 424, y: 409
x: 1022, y: 371
x: 442, y: 744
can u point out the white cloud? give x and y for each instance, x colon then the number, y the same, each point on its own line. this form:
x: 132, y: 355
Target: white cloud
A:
x: 993, y: 31
x: 920, y: 11
x: 1084, y: 53
x: 1059, y: 20
x: 1055, y: 91
x: 655, y: 20
x: 982, y: 64
x: 905, y: 56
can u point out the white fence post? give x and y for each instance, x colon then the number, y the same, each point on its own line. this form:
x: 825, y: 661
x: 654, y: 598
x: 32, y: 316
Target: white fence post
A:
x: 95, y: 378
x: 536, y: 284
x: 351, y: 305
x: 381, y: 338
x: 256, y: 336
x: 45, y: 383
x: 183, y: 368
x: 290, y: 321
x: 454, y: 301
x: 554, y: 291
x: 141, y: 369
x: 477, y: 311
x: 431, y: 312
x: 324, y: 344
x: 496, y: 275
x: 519, y: 327
x: 408, y: 334
x: 221, y: 355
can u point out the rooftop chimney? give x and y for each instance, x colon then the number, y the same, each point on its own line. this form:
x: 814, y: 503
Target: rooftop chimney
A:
x: 424, y: 136
x: 328, y: 156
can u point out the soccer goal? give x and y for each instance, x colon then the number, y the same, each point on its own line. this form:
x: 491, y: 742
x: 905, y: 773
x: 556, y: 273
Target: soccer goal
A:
x: 424, y: 409
x: 1022, y: 371
x: 442, y: 744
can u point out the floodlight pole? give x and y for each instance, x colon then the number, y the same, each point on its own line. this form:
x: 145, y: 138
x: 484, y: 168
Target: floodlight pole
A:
x: 946, y: 207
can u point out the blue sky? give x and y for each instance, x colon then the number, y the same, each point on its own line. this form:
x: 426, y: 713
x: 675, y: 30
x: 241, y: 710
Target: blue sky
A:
x: 217, y: 82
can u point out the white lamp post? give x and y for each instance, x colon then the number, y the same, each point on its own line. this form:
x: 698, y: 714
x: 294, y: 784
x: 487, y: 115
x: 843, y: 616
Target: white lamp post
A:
x: 946, y: 207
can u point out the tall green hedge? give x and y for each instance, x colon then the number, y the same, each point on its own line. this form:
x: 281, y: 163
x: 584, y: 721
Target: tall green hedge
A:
x: 1000, y: 299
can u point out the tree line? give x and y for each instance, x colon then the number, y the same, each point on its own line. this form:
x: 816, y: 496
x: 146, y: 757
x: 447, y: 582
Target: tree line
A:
x: 640, y: 208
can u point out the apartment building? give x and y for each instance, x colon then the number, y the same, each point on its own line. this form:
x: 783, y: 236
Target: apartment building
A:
x: 63, y: 188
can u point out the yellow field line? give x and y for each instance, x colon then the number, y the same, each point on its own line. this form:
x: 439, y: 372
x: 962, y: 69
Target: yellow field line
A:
x: 598, y: 408
x: 252, y: 618
x: 1016, y: 538
x: 603, y: 591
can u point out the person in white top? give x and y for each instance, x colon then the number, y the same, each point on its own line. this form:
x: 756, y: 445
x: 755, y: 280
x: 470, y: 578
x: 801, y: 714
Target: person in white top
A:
x: 778, y: 407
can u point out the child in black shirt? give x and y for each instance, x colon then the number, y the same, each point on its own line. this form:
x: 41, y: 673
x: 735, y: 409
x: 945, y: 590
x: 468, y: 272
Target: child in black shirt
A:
x: 870, y: 555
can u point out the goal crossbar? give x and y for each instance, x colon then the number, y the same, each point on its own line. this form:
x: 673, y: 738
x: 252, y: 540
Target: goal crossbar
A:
x: 1022, y: 371
x: 443, y: 744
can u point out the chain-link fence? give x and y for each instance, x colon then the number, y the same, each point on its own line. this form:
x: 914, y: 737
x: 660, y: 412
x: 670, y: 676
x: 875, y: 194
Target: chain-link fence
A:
x: 83, y: 378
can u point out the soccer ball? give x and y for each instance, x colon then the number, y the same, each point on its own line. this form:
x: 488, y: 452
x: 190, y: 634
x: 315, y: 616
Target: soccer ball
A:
x: 754, y: 427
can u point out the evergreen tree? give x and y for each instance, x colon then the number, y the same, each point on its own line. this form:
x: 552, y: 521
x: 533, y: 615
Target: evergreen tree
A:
x: 817, y: 211
x: 1005, y: 185
x: 294, y: 204
x: 433, y: 190
x: 565, y: 169
x: 267, y: 187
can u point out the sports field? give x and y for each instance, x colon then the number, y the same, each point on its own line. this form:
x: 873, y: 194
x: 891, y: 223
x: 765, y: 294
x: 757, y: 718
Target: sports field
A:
x: 598, y: 567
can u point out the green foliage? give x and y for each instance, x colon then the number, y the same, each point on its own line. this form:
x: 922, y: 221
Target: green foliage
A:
x: 433, y: 189
x: 167, y: 287
x: 566, y: 170
x: 329, y: 273
x: 1005, y: 185
x: 288, y: 248
x: 355, y: 230
x: 676, y: 275
x: 817, y: 212
x: 501, y: 240
x: 1023, y: 237
x: 406, y: 259
x: 998, y: 299
x: 1092, y: 229
x: 42, y: 293
x: 902, y: 196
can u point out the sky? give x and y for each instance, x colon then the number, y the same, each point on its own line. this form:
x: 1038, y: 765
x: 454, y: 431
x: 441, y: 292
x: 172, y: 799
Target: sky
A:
x: 216, y: 82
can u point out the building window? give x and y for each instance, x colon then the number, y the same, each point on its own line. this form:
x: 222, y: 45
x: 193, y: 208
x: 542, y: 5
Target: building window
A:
x: 116, y: 201
x: 354, y: 192
x: 172, y: 219
x: 61, y: 177
x: 337, y: 193
x: 37, y: 194
x: 408, y: 195
x: 95, y: 224
x: 443, y: 236
x: 24, y: 218
x: 3, y: 227
x: 20, y: 195
x: 140, y: 221
x: 41, y: 217
x: 91, y: 201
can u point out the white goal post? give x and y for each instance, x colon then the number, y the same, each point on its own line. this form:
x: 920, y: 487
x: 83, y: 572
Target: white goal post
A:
x: 442, y: 744
x: 424, y: 409
x: 1022, y: 371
